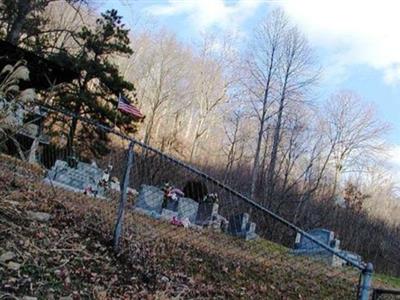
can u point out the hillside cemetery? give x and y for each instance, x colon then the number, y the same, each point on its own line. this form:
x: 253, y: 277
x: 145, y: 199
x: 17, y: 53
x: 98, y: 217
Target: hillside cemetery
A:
x: 171, y: 205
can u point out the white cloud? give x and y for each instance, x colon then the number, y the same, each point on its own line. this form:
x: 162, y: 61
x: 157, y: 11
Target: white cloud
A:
x: 353, y: 31
x: 204, y: 14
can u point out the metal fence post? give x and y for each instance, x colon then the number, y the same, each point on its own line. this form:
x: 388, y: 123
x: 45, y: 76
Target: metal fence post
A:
x: 366, y: 279
x: 122, y: 202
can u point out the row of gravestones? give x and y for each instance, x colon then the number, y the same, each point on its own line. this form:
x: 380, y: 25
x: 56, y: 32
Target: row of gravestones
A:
x: 305, y: 247
x: 201, y: 214
x: 83, y: 176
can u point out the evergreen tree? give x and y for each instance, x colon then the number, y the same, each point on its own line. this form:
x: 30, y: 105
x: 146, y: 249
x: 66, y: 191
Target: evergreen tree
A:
x: 94, y: 94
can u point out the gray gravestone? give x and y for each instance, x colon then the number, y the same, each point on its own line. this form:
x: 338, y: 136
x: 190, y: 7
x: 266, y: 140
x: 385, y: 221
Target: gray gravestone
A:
x: 59, y: 167
x: 78, y: 179
x: 187, y: 208
x: 238, y: 223
x: 306, y: 247
x: 150, y: 198
x: 93, y: 173
x: 172, y: 204
x: 206, y: 212
x: 239, y: 226
x: 323, y: 235
x: 168, y: 215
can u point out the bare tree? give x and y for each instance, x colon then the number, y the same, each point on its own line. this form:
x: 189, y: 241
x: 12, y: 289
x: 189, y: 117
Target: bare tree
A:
x: 354, y: 131
x: 235, y: 139
x: 262, y: 65
x: 158, y: 71
x: 297, y: 72
x: 211, y: 84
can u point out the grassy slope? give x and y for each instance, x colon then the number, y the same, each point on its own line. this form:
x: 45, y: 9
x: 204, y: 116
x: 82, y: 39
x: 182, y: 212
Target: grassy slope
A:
x: 71, y: 254
x: 387, y: 281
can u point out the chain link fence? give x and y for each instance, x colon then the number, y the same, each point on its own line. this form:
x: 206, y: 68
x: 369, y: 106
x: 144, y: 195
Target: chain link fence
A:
x: 167, y: 205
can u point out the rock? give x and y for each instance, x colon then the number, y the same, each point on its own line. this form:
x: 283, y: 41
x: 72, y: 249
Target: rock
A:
x: 164, y: 279
x: 29, y: 298
x: 39, y: 216
x: 13, y: 266
x: 7, y: 256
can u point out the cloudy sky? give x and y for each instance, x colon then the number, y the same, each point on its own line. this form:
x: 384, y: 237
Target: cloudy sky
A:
x: 357, y: 42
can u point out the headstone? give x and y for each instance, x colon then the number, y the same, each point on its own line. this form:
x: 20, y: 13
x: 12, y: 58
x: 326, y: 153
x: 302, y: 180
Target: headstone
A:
x: 323, y: 235
x: 85, y: 177
x: 172, y: 204
x: 239, y: 226
x: 237, y: 223
x: 305, y: 246
x: 187, y: 208
x: 206, y: 212
x: 150, y: 198
x: 60, y: 166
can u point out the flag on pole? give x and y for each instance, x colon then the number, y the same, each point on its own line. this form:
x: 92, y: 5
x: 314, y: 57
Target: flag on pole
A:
x: 125, y: 106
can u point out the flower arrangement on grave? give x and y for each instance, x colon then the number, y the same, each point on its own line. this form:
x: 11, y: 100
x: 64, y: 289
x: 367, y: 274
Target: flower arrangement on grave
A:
x: 105, y: 179
x: 171, y: 193
x: 90, y: 191
x: 211, y: 198
x: 180, y: 223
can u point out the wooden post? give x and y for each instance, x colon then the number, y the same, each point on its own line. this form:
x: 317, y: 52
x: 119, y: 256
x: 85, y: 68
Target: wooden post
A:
x: 122, y: 202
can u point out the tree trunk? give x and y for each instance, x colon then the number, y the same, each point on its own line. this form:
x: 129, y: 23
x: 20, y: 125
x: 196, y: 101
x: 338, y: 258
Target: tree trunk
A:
x: 336, y: 180
x: 263, y: 120
x: 72, y: 131
x: 276, y: 140
x: 23, y: 9
x: 149, y: 129
x: 71, y: 137
x: 196, y: 138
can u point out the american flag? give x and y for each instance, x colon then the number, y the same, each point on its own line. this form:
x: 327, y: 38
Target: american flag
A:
x: 125, y: 106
